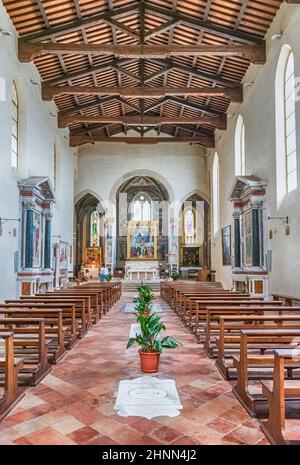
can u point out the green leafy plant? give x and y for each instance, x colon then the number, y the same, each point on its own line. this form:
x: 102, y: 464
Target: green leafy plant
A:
x: 148, y: 340
x: 175, y: 276
x: 108, y: 277
x: 144, y: 299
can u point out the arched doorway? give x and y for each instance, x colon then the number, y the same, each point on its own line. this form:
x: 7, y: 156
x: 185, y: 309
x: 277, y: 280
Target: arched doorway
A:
x: 193, y: 235
x: 142, y: 198
x: 89, y: 236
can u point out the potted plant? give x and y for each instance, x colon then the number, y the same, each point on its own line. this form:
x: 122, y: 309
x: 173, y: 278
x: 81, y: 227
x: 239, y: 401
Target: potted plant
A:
x: 175, y: 276
x: 150, y: 344
x: 108, y: 277
x: 143, y: 301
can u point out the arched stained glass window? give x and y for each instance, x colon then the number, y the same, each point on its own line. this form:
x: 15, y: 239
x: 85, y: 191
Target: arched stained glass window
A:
x: 141, y: 208
x: 189, y: 226
x: 94, y: 229
x: 215, y: 195
x: 240, y: 155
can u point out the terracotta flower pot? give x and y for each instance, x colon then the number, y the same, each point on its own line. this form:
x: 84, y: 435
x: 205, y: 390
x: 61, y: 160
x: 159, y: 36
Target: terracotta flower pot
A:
x: 145, y: 314
x: 149, y: 361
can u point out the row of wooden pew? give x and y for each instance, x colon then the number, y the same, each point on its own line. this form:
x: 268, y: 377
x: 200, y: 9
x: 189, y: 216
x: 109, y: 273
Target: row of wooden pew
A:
x: 36, y: 331
x: 255, y: 342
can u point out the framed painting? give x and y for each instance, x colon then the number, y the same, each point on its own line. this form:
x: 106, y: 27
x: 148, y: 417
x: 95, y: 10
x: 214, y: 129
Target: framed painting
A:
x: 37, y: 234
x: 226, y: 245
x: 248, y: 239
x: 92, y: 257
x: 142, y: 240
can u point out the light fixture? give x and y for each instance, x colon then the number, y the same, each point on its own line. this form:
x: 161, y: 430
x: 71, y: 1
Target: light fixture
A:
x: 5, y: 33
x: 276, y: 36
x: 284, y: 219
x: 34, y: 83
x: 249, y: 84
x: 52, y: 114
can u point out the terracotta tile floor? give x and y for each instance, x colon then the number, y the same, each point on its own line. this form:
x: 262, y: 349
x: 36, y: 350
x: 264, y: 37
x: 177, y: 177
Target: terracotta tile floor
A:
x: 75, y: 403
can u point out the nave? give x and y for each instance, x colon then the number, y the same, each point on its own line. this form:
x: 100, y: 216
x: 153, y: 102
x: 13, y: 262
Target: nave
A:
x: 74, y: 404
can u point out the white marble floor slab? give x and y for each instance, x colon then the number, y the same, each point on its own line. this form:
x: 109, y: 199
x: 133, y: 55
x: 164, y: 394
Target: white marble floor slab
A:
x: 148, y: 397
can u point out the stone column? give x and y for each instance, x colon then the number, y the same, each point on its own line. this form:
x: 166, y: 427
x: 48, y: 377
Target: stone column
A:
x: 29, y: 235
x: 47, y: 253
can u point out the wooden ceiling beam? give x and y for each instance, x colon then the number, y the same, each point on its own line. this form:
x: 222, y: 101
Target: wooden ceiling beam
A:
x: 139, y: 120
x: 192, y: 70
x: 115, y: 63
x: 206, y: 26
x: 91, y: 21
x: 202, y: 140
x: 234, y: 93
x: 255, y: 53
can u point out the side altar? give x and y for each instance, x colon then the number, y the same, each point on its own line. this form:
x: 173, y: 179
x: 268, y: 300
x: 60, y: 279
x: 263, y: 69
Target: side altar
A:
x: 142, y: 260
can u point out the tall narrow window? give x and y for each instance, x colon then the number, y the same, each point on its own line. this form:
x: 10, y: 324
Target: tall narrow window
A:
x: 215, y: 194
x: 240, y: 154
x: 14, y: 126
x: 94, y: 229
x: 141, y: 208
x: 290, y: 125
x: 189, y: 226
x: 286, y: 153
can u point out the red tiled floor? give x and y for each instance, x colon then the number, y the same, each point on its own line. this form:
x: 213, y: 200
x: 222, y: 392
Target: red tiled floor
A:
x: 74, y: 404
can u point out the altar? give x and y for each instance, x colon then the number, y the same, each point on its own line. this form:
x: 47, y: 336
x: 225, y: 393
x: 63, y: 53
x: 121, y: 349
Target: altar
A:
x: 147, y: 270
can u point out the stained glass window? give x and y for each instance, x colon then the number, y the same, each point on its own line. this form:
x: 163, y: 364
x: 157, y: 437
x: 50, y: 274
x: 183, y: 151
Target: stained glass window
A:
x: 14, y: 126
x: 94, y: 229
x: 189, y: 226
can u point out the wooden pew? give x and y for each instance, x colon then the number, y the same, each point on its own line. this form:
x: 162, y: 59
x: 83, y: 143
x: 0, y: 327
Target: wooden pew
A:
x: 31, y: 345
x: 70, y: 320
x: 92, y: 304
x: 11, y: 366
x: 280, y: 392
x: 195, y: 320
x: 216, y: 317
x: 80, y: 304
x: 251, y: 365
x: 54, y: 329
x: 228, y: 344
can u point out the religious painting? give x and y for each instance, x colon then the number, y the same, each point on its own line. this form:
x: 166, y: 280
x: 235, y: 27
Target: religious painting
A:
x: 226, y: 245
x: 64, y: 257
x: 142, y: 240
x: 37, y: 233
x: 248, y: 238
x: 92, y: 257
x: 94, y: 229
x: 190, y: 256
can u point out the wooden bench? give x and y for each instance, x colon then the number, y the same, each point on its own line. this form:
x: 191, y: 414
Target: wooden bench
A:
x: 217, y: 317
x: 196, y: 319
x: 228, y: 344
x: 251, y: 365
x: 30, y: 344
x: 53, y: 320
x: 80, y: 304
x: 11, y: 366
x: 71, y: 318
x: 279, y: 392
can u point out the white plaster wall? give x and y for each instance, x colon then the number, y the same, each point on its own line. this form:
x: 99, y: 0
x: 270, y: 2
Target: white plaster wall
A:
x: 181, y: 167
x: 258, y: 111
x: 37, y: 134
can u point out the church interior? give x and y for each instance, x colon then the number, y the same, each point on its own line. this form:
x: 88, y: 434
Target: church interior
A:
x: 149, y: 222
